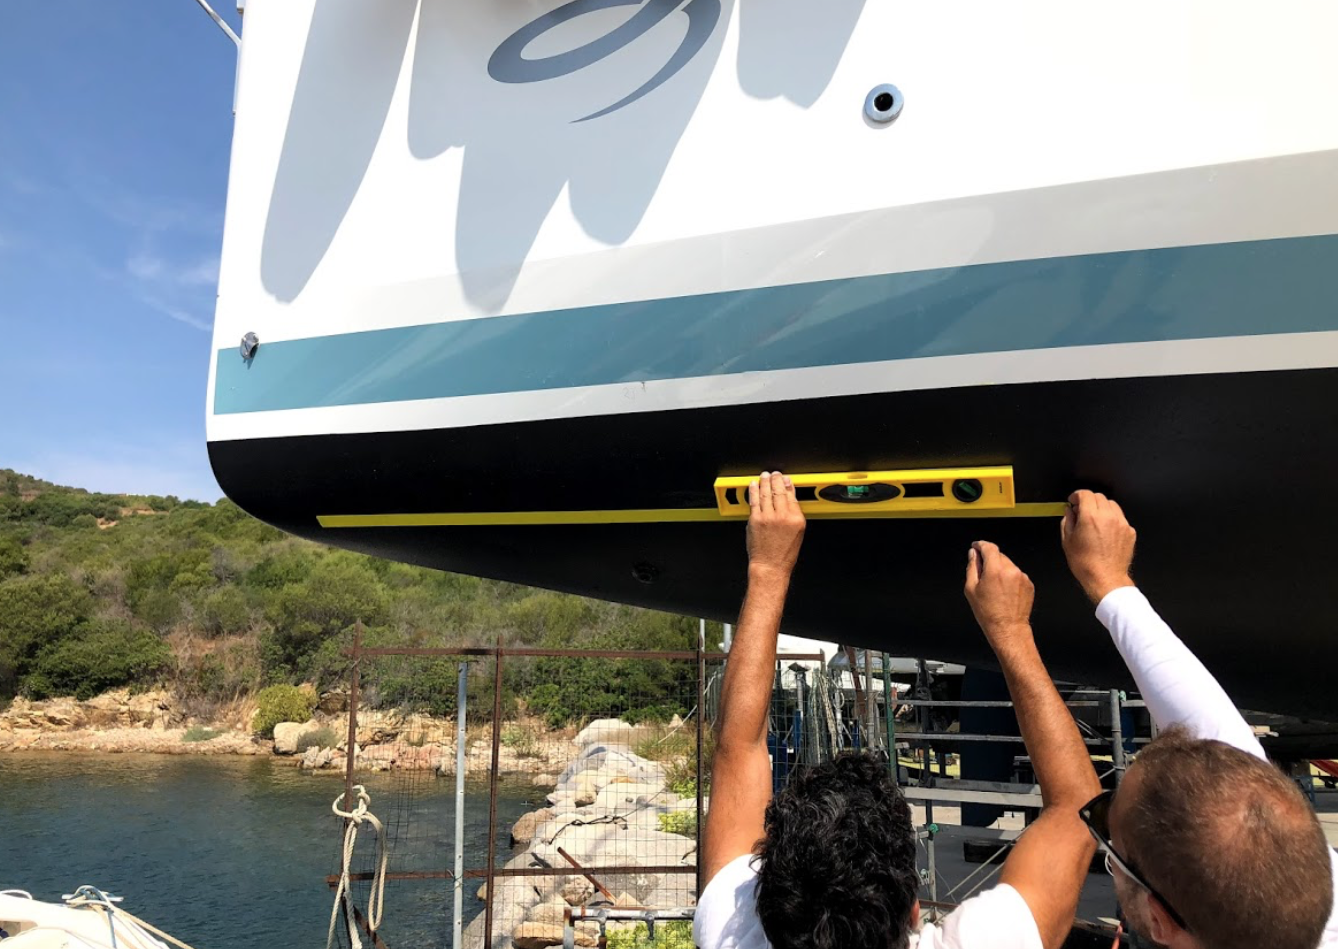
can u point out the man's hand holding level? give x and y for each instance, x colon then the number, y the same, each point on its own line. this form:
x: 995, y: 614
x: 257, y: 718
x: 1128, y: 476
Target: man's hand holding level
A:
x: 775, y: 526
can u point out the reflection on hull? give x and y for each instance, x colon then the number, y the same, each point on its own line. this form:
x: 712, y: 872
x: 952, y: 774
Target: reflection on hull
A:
x: 1227, y: 478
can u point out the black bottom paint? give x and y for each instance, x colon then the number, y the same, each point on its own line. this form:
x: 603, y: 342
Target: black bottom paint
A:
x: 1231, y: 480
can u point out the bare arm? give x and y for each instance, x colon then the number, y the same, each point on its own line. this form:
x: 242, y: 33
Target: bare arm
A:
x: 1178, y: 688
x: 1049, y: 862
x: 741, y: 775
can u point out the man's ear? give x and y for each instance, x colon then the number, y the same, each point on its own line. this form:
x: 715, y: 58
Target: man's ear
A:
x: 915, y: 915
x: 1165, y: 931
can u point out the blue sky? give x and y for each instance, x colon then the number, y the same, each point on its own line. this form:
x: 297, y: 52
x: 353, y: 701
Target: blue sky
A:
x: 115, y: 126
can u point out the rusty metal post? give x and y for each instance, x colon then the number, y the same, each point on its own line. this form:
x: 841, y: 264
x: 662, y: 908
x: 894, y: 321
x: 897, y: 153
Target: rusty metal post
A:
x: 353, y: 681
x: 458, y: 884
x: 492, y: 796
x: 701, y: 737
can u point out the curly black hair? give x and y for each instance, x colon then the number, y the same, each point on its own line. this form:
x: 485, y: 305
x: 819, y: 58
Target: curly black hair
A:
x: 837, y: 869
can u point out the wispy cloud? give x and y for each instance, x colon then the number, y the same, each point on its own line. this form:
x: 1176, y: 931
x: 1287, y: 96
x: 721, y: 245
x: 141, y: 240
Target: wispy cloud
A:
x: 145, y: 267
x: 176, y: 313
x: 173, y: 289
x: 163, y: 248
x: 151, y: 268
x: 202, y: 273
x: 145, y: 214
x: 20, y: 184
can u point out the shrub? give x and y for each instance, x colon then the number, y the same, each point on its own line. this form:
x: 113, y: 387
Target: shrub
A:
x: 200, y: 733
x: 38, y: 610
x: 107, y: 654
x: 159, y: 608
x: 668, y: 935
x: 224, y: 611
x: 340, y: 590
x: 522, y: 740
x: 677, y: 748
x: 231, y: 670
x: 683, y: 823
x: 13, y: 557
x: 652, y: 714
x: 681, y: 777
x: 281, y: 703
x: 323, y: 737
x: 664, y: 744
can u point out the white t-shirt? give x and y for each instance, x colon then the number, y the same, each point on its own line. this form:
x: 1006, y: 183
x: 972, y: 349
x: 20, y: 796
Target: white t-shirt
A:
x: 727, y: 918
x: 1179, y: 690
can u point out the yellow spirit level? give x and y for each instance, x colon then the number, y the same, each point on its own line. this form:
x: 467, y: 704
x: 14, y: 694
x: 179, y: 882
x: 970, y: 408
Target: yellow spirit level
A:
x: 872, y: 493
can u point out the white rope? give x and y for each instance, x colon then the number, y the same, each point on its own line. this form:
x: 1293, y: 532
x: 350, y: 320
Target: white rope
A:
x: 376, y: 901
x: 150, y: 928
x: 93, y: 898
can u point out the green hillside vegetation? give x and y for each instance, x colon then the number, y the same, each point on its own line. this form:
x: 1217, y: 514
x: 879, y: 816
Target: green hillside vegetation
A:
x: 101, y: 591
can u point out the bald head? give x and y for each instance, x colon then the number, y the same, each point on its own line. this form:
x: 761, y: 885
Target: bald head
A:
x: 1229, y: 841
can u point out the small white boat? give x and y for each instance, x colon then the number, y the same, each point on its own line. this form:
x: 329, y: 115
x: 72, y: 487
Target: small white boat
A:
x: 86, y: 918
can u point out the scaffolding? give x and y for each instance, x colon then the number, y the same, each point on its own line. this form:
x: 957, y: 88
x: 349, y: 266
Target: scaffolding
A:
x: 931, y: 788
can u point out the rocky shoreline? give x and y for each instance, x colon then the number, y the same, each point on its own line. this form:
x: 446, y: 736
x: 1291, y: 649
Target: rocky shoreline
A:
x: 115, y: 722
x: 119, y: 722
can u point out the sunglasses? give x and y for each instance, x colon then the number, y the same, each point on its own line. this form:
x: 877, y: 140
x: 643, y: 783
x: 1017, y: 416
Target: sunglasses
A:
x: 1096, y: 815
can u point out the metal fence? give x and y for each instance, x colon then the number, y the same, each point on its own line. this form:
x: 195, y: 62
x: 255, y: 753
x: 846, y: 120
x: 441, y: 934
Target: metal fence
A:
x: 539, y: 797
x: 527, y: 792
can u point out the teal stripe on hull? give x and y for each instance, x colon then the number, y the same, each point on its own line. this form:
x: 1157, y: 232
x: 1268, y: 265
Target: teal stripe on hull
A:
x: 1242, y: 289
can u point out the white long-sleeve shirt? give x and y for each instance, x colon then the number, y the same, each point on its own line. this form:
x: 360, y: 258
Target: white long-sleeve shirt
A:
x: 1179, y: 690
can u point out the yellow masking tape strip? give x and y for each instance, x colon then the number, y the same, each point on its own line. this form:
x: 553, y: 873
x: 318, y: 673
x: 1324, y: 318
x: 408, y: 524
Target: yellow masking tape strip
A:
x: 650, y: 516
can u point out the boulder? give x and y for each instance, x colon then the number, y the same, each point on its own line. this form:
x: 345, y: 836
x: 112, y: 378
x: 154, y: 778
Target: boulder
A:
x: 522, y: 832
x: 606, y: 731
x: 604, y: 763
x: 314, y: 759
x: 334, y: 702
x: 548, y: 831
x: 150, y: 710
x: 377, y: 727
x: 561, y: 800
x: 537, y: 935
x: 626, y: 795
x: 543, y: 780
x: 624, y: 845
x: 587, y: 788
x: 286, y: 735
x: 554, y: 914
x: 672, y: 890
x: 106, y: 710
x: 49, y: 715
x: 61, y: 715
x: 548, y: 913
x: 577, y: 891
